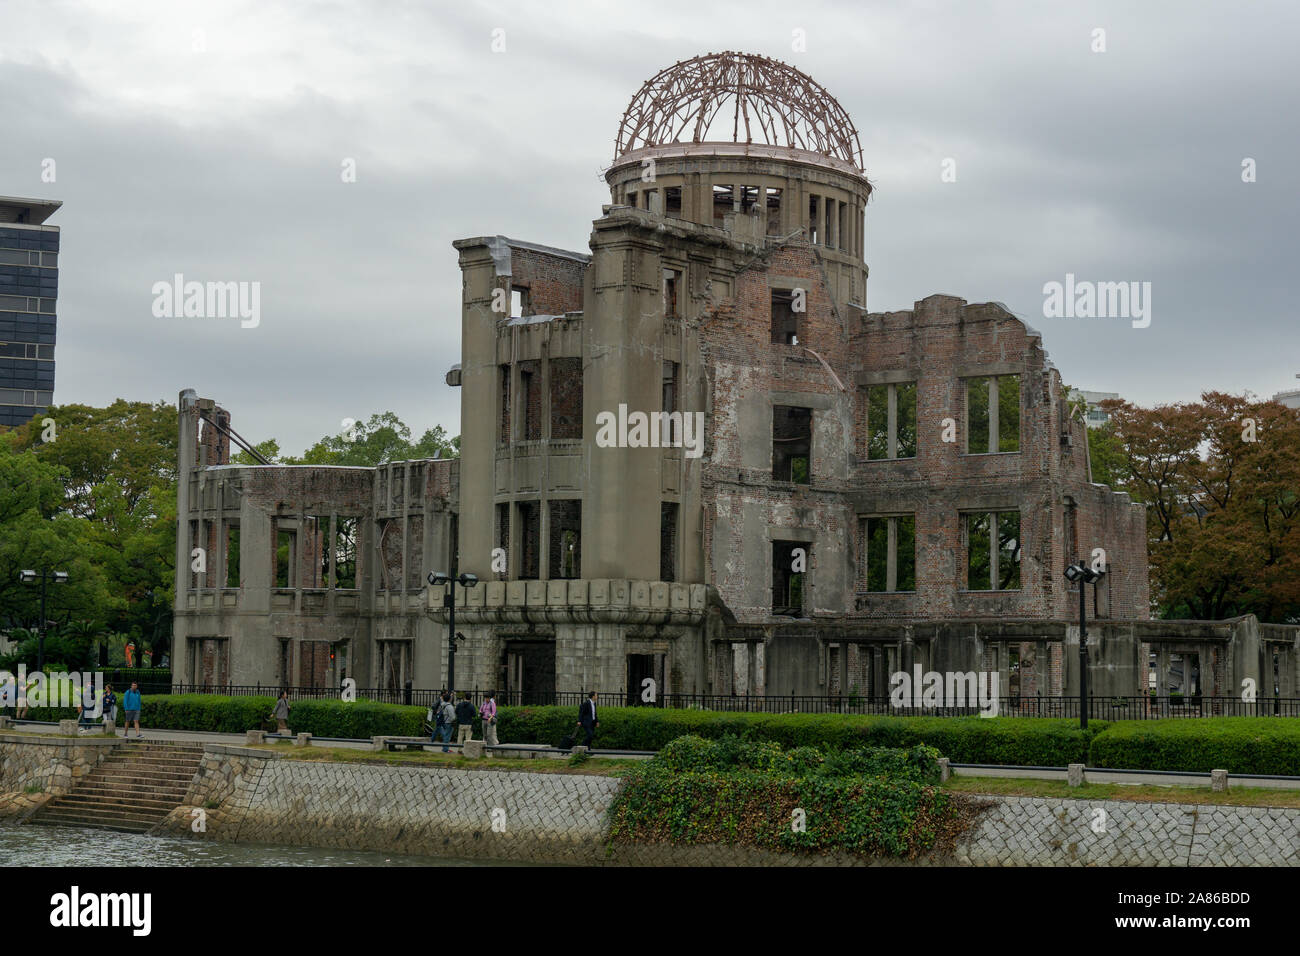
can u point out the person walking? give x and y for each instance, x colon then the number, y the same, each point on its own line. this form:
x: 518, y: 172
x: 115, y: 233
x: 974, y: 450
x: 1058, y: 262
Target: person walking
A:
x: 110, y: 705
x: 20, y: 713
x: 587, y: 718
x: 488, y: 713
x: 281, y: 714
x: 464, y: 719
x: 446, y: 717
x: 131, y: 710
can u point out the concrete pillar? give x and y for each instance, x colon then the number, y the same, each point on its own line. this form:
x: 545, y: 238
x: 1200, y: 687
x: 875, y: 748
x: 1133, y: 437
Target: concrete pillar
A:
x: 945, y: 771
x: 1074, y: 775
x: 256, y: 737
x: 740, y: 668
x: 1219, y: 781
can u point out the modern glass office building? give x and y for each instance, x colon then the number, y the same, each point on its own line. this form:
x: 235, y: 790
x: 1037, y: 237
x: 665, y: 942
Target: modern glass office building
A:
x: 29, y: 288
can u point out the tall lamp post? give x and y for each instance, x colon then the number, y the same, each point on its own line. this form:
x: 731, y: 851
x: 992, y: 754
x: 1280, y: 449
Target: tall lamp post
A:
x: 440, y: 579
x: 44, y: 576
x: 1080, y: 574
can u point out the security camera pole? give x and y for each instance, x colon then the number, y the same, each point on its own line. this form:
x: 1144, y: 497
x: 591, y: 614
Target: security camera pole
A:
x: 1082, y: 575
x: 441, y: 579
x: 45, y: 576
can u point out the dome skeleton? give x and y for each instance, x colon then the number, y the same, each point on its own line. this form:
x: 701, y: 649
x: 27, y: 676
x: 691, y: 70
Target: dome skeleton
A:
x: 789, y: 108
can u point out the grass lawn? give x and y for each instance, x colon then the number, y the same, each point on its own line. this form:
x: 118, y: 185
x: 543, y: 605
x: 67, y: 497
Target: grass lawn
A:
x: 1235, y: 796
x: 598, y: 766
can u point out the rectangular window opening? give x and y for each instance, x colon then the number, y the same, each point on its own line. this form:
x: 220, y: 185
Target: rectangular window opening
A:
x: 668, y: 541
x: 673, y: 201
x: 992, y: 414
x: 790, y: 563
x: 566, y: 539
x: 792, y: 444
x: 530, y: 540
x: 785, y: 318
x: 773, y: 211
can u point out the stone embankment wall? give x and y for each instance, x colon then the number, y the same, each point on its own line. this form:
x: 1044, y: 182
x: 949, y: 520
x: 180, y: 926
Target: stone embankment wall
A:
x: 257, y: 796
x: 249, y: 795
x: 48, y: 766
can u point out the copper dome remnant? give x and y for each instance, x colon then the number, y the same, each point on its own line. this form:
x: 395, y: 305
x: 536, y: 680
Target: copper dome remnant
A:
x: 763, y: 100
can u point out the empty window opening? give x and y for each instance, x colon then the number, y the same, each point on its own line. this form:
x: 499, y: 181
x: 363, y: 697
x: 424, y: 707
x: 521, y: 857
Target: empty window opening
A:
x: 503, y: 432
x: 773, y: 211
x: 530, y: 387
x: 749, y: 198
x: 566, y: 398
x: 790, y: 564
x: 992, y: 414
x: 669, y: 387
x: 286, y: 555
x: 631, y: 199
x: 652, y: 202
x: 345, y: 552
x: 232, y: 554
x: 1184, y: 676
x: 673, y: 201
x: 992, y: 551
x: 889, y: 550
x: 722, y: 202
x: 827, y: 233
x: 785, y: 320
x: 668, y: 541
x: 891, y: 421
x: 503, y: 536
x: 672, y: 288
x: 813, y: 207
x: 566, y: 539
x: 518, y: 302
x: 530, y: 540
x: 792, y: 444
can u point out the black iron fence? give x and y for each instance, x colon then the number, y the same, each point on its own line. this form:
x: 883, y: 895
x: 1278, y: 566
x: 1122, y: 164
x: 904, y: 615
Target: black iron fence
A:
x: 1099, y: 708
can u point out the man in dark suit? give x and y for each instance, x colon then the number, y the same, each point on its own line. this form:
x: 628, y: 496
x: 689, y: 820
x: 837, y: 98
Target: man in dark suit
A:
x: 587, y: 718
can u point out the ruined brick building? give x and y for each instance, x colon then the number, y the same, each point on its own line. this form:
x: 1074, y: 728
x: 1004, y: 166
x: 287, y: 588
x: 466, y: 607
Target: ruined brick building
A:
x: 871, y: 490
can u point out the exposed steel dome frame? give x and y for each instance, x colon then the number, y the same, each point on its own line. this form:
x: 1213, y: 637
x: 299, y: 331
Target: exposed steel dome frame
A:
x: 782, y: 105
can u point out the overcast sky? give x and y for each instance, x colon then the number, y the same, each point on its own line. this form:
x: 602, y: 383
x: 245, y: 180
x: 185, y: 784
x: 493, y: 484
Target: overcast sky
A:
x: 208, y: 139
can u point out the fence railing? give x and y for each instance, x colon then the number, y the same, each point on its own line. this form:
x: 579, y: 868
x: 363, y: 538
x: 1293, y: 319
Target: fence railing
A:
x: 1100, y: 708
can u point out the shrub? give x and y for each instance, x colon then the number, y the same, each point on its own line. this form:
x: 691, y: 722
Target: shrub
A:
x: 1267, y: 745
x: 865, y: 815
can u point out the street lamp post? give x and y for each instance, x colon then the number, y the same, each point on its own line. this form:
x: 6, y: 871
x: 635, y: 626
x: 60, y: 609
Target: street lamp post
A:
x: 45, y: 576
x: 1080, y: 574
x: 441, y: 579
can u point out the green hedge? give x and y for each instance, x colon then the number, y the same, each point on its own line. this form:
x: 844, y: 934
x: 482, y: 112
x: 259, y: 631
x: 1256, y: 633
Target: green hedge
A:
x: 1037, y: 741
x: 1267, y: 745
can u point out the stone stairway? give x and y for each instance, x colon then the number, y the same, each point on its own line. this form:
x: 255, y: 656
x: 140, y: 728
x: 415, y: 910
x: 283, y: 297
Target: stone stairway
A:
x: 131, y: 790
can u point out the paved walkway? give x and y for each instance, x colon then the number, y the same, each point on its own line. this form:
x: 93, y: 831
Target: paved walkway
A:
x: 195, y: 736
x: 1133, y: 779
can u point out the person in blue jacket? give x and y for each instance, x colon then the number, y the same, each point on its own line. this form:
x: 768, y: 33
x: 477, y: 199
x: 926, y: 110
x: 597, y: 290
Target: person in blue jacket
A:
x: 131, y: 710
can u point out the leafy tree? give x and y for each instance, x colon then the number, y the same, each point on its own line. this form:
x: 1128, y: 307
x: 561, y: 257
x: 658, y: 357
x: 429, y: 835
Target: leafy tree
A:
x: 382, y: 439
x: 1221, y: 482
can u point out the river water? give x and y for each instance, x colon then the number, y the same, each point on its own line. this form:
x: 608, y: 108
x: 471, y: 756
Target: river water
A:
x: 81, y: 846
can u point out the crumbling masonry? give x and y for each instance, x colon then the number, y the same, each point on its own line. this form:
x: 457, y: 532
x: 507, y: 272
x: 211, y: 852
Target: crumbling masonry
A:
x: 871, y: 492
